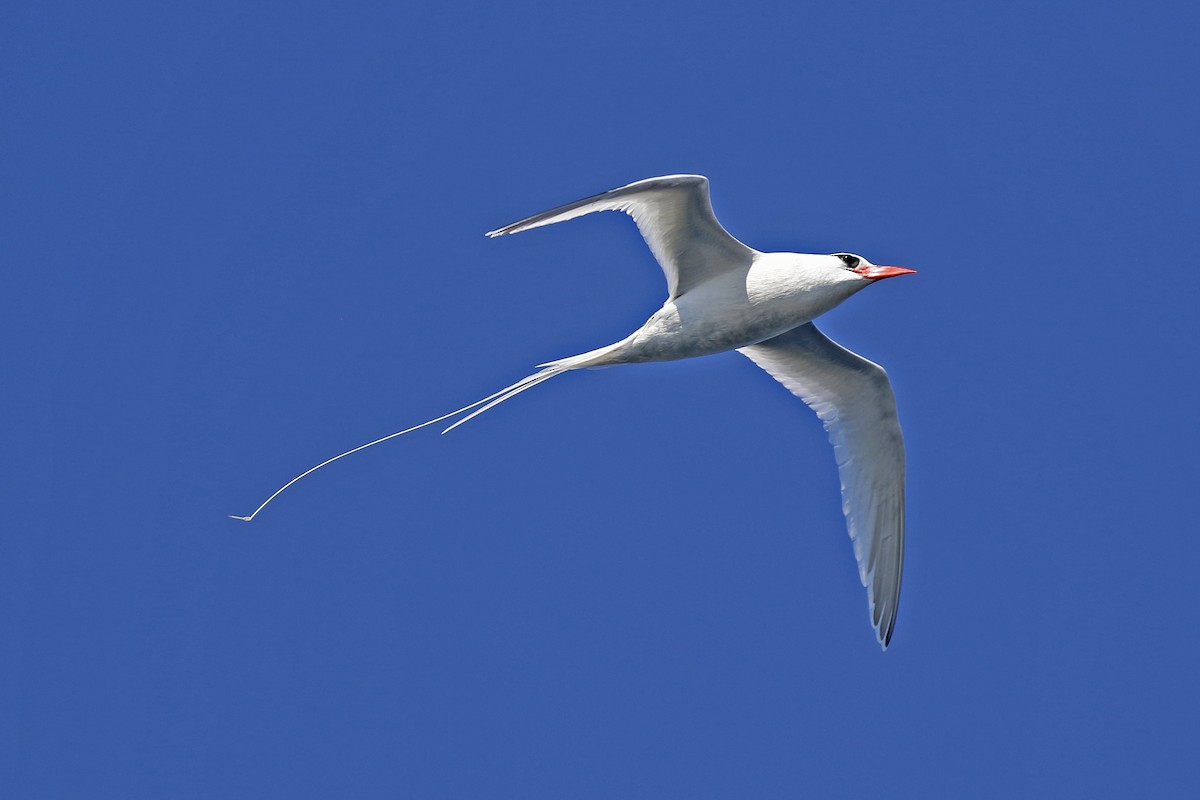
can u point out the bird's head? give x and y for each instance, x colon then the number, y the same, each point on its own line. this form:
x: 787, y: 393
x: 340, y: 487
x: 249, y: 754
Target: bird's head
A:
x: 865, y: 269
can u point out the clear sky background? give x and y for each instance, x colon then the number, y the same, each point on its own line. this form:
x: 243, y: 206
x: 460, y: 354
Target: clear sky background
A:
x: 237, y: 238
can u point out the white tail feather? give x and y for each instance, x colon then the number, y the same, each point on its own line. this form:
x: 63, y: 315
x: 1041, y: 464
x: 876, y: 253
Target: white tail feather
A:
x: 533, y: 380
x: 548, y: 372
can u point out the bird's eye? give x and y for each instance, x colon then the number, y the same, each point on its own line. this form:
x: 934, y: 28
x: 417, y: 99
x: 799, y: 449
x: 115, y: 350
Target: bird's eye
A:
x: 850, y: 261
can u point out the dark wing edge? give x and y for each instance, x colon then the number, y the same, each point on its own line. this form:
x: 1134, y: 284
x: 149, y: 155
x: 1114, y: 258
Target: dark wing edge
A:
x: 675, y: 217
x: 604, y: 201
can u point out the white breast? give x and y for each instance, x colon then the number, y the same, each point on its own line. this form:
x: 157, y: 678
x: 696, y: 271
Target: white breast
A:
x: 776, y: 293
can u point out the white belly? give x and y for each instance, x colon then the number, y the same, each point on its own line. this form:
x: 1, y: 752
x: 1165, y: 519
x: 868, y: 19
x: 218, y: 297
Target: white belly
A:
x: 778, y: 292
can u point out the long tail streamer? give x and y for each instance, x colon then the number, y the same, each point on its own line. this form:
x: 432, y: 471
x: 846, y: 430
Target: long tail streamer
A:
x: 488, y: 402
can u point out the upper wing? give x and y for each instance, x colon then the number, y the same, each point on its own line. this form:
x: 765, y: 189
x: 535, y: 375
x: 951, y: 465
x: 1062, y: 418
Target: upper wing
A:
x: 676, y: 219
x: 854, y: 399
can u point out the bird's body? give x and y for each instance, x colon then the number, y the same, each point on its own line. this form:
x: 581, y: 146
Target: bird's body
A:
x: 773, y: 293
x: 723, y: 295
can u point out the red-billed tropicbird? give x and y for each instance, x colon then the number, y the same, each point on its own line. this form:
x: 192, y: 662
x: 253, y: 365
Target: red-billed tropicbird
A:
x: 723, y: 295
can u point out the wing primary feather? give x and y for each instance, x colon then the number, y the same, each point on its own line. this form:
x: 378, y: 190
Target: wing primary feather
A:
x: 675, y: 217
x: 854, y: 400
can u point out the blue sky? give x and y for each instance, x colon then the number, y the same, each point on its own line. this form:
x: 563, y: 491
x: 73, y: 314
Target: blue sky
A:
x: 240, y: 238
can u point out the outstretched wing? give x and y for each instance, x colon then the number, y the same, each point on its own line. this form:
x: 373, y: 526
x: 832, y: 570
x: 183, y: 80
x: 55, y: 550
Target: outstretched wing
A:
x: 676, y: 219
x: 854, y: 399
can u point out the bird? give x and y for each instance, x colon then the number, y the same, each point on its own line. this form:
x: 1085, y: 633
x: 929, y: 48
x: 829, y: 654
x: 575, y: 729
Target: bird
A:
x: 722, y: 296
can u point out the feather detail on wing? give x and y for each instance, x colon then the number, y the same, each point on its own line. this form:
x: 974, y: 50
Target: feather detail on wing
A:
x: 854, y: 399
x: 675, y: 218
